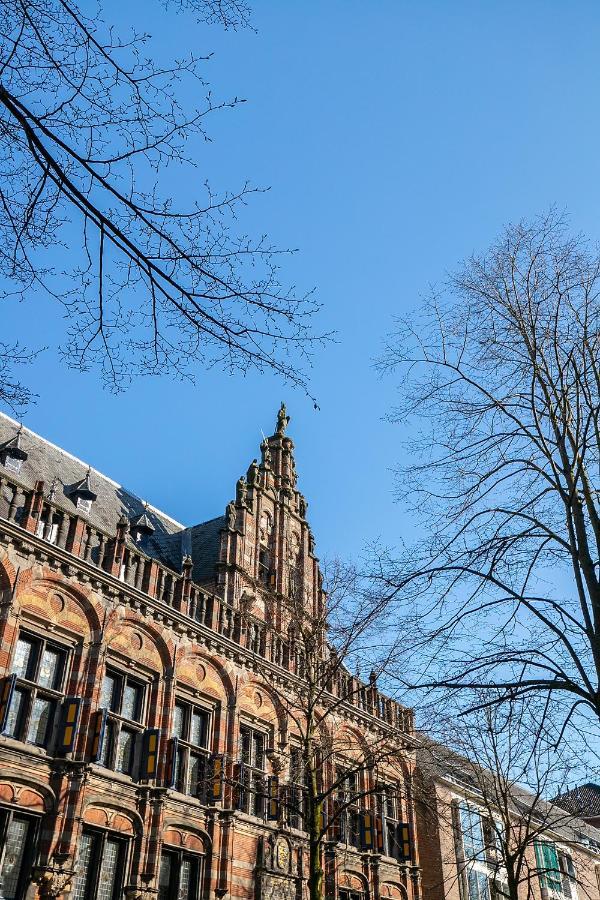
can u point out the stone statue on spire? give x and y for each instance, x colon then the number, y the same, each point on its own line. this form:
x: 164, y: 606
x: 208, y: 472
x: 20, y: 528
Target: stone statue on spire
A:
x: 282, y: 419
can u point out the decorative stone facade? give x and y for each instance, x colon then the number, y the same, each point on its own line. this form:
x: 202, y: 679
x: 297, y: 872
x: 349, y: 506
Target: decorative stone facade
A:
x: 129, y: 651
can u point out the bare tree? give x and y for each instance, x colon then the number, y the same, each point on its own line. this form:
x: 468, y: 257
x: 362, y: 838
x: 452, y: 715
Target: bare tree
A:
x: 336, y: 771
x: 489, y: 788
x: 502, y: 374
x: 89, y: 124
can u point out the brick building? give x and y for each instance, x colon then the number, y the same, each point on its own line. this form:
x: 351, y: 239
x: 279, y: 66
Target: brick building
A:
x: 458, y: 828
x: 142, y: 751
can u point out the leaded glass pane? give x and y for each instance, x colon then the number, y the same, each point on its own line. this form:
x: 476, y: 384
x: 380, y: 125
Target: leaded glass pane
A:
x: 84, y: 859
x: 40, y: 721
x: 24, y: 658
x: 179, y: 721
x: 132, y: 696
x: 125, y: 747
x: 194, y: 774
x: 164, y: 876
x: 258, y: 748
x: 108, y: 695
x: 107, y: 744
x: 245, y: 746
x: 179, y: 767
x: 198, y: 729
x: 14, y: 851
x: 49, y: 674
x: 184, y: 880
x: 15, y: 714
x: 107, y: 878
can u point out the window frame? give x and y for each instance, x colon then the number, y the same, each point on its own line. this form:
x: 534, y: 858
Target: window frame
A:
x: 117, y: 724
x: 348, y: 796
x: 186, y: 749
x: 251, y: 787
x: 7, y: 816
x: 27, y: 685
x: 180, y: 855
x: 100, y: 838
x: 478, y: 868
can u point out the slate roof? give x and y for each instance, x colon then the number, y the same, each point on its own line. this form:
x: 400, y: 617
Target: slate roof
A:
x: 62, y: 472
x: 582, y: 801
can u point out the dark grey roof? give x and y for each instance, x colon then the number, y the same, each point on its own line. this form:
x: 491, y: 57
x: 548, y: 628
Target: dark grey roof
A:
x: 169, y: 542
x: 582, y: 801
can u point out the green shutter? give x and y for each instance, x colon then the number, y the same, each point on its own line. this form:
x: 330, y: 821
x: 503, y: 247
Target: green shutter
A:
x: 546, y: 859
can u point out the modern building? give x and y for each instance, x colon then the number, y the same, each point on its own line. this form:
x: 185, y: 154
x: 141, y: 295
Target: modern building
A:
x: 143, y: 751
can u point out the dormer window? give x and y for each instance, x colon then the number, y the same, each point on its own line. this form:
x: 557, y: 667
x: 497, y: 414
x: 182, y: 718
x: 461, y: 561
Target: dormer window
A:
x: 82, y: 494
x: 141, y: 526
x: 12, y: 454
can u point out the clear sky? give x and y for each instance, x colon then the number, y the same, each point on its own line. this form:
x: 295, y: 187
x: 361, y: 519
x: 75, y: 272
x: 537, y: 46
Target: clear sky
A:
x: 397, y: 137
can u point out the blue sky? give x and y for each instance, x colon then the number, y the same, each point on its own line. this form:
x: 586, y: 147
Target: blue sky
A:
x: 397, y: 138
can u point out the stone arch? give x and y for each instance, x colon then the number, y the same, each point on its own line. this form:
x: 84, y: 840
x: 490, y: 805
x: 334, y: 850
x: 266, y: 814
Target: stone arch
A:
x: 57, y: 600
x: 22, y: 792
x: 178, y: 834
x: 348, y: 739
x: 393, y: 890
x: 261, y: 701
x: 353, y: 879
x: 214, y: 680
x: 127, y: 634
x: 114, y: 818
x: 7, y: 573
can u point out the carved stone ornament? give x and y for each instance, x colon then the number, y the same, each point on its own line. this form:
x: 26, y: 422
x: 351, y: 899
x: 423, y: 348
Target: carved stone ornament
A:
x: 266, y: 454
x: 53, y: 882
x: 241, y: 491
x: 282, y: 419
x: 231, y: 515
x: 252, y: 475
x: 136, y: 892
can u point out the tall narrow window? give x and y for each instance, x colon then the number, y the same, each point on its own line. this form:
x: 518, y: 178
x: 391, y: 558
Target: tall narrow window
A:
x: 347, y: 799
x: 100, y: 866
x: 479, y: 867
x: 123, y: 697
x: 251, y: 788
x: 17, y: 845
x: 387, y: 810
x: 191, y: 728
x: 40, y: 667
x: 296, y: 790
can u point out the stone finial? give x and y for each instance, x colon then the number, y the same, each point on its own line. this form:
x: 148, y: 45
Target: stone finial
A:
x: 283, y: 419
